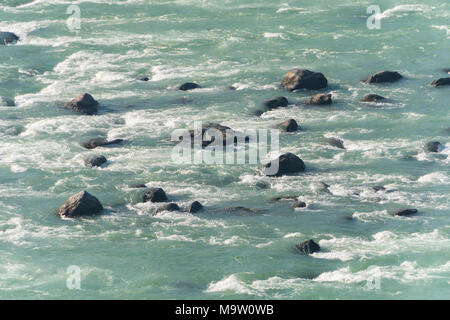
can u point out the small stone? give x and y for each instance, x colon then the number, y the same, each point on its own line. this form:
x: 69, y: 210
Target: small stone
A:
x: 155, y: 195
x: 194, y: 207
x: 308, y: 247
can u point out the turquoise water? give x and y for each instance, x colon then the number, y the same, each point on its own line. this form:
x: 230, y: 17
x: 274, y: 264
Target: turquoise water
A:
x: 132, y: 252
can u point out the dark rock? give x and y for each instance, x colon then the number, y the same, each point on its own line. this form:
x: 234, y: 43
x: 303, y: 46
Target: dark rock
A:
x: 404, y: 212
x: 138, y: 186
x: 155, y: 195
x: 304, y: 79
x: 80, y: 204
x: 441, y: 82
x: 299, y: 204
x: 95, y: 161
x: 433, y: 146
x: 169, y: 207
x: 384, y: 76
x: 320, y: 99
x: 7, y: 102
x: 378, y: 188
x: 308, y: 247
x: 8, y: 37
x: 84, y: 104
x: 287, y: 163
x: 194, y: 207
x: 188, y: 86
x: 289, y: 125
x: 372, y: 98
x: 233, y: 88
x: 282, y: 198
x: 242, y: 209
x: 144, y: 78
x: 335, y: 142
x: 99, y: 142
x: 276, y: 103
x: 229, y: 136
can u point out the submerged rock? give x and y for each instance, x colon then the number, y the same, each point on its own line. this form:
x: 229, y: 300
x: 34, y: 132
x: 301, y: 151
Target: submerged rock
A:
x: 308, y: 247
x: 441, y: 82
x: 169, y: 207
x: 384, y: 76
x: 335, y: 142
x: 289, y: 125
x: 138, y: 186
x: 433, y: 146
x: 276, y: 103
x: 194, y: 207
x: 320, y: 99
x: 80, y: 204
x: 6, y: 102
x: 99, y: 142
x: 404, y: 212
x: 143, y: 78
x: 372, y: 98
x: 282, y: 198
x: 155, y: 195
x: 287, y: 163
x: 304, y: 79
x: 84, y: 104
x: 242, y: 209
x: 8, y: 37
x: 299, y: 204
x: 95, y: 161
x: 378, y: 188
x: 188, y: 86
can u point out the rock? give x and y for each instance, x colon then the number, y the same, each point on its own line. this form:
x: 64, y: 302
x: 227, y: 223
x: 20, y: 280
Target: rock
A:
x: 276, y: 103
x: 308, y: 247
x: 384, y: 76
x: 441, y: 82
x: 262, y: 185
x: 229, y: 135
x: 378, y: 188
x: 8, y: 37
x: 282, y: 198
x: 287, y: 163
x: 404, y: 212
x: 6, y: 102
x: 298, y: 204
x: 372, y: 98
x: 138, y: 186
x: 155, y: 195
x: 320, y: 99
x: 433, y: 146
x: 169, y: 207
x: 242, y: 209
x: 304, y: 79
x: 194, y: 207
x: 232, y: 88
x: 289, y: 125
x: 80, y: 204
x: 143, y: 78
x: 99, y: 142
x: 188, y: 86
x: 95, y: 161
x: 335, y: 142
x: 84, y: 104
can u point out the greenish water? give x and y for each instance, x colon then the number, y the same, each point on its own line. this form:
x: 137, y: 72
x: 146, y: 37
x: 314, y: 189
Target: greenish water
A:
x: 132, y: 252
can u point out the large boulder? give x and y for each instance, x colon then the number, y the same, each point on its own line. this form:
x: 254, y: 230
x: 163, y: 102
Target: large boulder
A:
x: 169, y: 207
x: 155, y: 195
x: 8, y: 37
x: 433, y: 146
x: 308, y: 247
x: 405, y: 212
x: 320, y: 99
x: 99, y: 142
x: 84, y: 104
x: 441, y: 82
x: 95, y: 161
x: 80, y: 204
x: 335, y: 142
x: 304, y: 79
x: 188, y: 86
x: 384, y: 76
x: 276, y: 103
x: 372, y: 98
x: 289, y: 125
x: 194, y: 207
x: 286, y: 163
x: 6, y: 102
